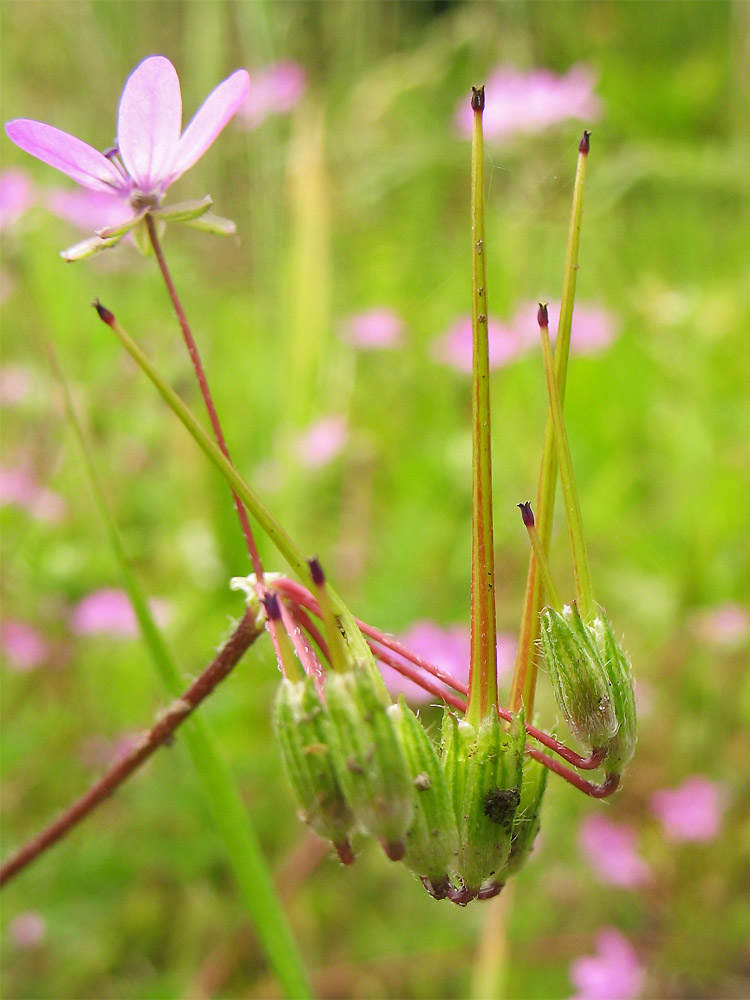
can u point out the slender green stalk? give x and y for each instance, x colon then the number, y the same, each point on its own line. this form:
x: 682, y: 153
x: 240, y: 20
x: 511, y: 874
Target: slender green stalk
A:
x: 222, y: 796
x: 584, y: 593
x: 523, y: 686
x: 541, y: 556
x: 483, y: 667
x: 277, y: 534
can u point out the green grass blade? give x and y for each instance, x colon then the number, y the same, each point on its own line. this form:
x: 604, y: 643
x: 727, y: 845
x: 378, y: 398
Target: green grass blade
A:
x: 223, y: 797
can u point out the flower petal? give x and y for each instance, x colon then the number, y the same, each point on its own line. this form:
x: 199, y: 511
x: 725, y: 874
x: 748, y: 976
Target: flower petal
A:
x: 210, y: 119
x: 149, y: 123
x: 86, y: 165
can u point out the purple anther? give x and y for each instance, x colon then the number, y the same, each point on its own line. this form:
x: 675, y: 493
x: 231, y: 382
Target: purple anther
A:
x: 584, y: 145
x: 104, y: 314
x: 316, y: 572
x: 542, y: 316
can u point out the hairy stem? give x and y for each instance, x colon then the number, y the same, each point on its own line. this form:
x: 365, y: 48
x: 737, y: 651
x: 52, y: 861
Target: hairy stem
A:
x: 200, y: 375
x: 243, y: 636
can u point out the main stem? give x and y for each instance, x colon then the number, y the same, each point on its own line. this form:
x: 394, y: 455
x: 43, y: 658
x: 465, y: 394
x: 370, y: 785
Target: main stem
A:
x: 523, y: 686
x: 200, y: 375
x: 226, y: 659
x: 483, y: 665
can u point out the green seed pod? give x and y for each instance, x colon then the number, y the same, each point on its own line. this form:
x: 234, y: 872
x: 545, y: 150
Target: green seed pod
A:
x: 432, y: 838
x: 592, y: 681
x: 484, y: 770
x: 370, y: 763
x: 527, y: 819
x: 620, y: 676
x: 301, y: 729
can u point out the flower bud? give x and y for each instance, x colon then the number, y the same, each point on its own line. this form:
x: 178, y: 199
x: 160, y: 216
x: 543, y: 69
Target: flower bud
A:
x: 299, y: 718
x: 369, y: 760
x: 432, y: 838
x: 484, y: 770
x: 592, y: 681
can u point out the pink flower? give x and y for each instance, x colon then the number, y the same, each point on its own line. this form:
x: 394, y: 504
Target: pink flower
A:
x: 446, y: 647
x: 16, y: 196
x: 614, y: 973
x: 276, y: 90
x: 15, y: 384
x: 454, y: 348
x: 152, y: 151
x: 322, y: 441
x: 725, y: 625
x: 23, y: 645
x: 610, y: 850
x: 109, y: 611
x: 593, y: 327
x: 692, y: 811
x: 28, y: 929
x: 373, y: 330
x: 519, y: 103
x: 18, y: 487
x: 88, y: 210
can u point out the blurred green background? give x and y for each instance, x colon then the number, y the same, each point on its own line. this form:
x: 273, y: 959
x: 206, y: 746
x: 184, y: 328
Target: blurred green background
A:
x: 358, y: 199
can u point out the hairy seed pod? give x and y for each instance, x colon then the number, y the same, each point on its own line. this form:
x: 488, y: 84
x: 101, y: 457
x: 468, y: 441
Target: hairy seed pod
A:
x: 592, y: 681
x: 484, y: 769
x: 526, y: 822
x: 432, y: 838
x: 370, y: 763
x: 302, y: 732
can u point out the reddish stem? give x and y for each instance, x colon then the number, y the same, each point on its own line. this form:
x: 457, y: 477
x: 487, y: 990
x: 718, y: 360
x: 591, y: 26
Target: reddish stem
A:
x: 226, y: 659
x: 200, y: 375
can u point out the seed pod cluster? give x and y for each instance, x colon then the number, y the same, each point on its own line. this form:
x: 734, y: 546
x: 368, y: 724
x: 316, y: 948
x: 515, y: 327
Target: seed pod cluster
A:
x: 592, y: 681
x: 462, y: 816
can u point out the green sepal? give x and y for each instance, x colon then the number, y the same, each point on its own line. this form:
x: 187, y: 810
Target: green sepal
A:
x: 122, y: 228
x: 486, y: 775
x: 87, y: 248
x: 616, y: 664
x: 183, y: 211
x: 527, y: 819
x: 578, y: 678
x: 302, y: 732
x: 592, y: 682
x: 210, y: 223
x: 432, y: 838
x: 370, y: 763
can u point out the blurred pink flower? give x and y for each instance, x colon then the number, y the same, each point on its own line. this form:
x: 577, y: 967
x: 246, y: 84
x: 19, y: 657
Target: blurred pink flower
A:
x: 109, y: 611
x: 374, y: 329
x: 28, y: 929
x: 614, y: 973
x: 448, y: 647
x: 15, y: 384
x: 693, y: 811
x: 276, y: 89
x: 593, y: 328
x: 16, y: 195
x: 24, y: 647
x: 87, y: 210
x: 725, y: 625
x: 454, y: 348
x: 518, y: 103
x: 610, y: 850
x: 97, y: 752
x: 18, y: 487
x: 322, y: 441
